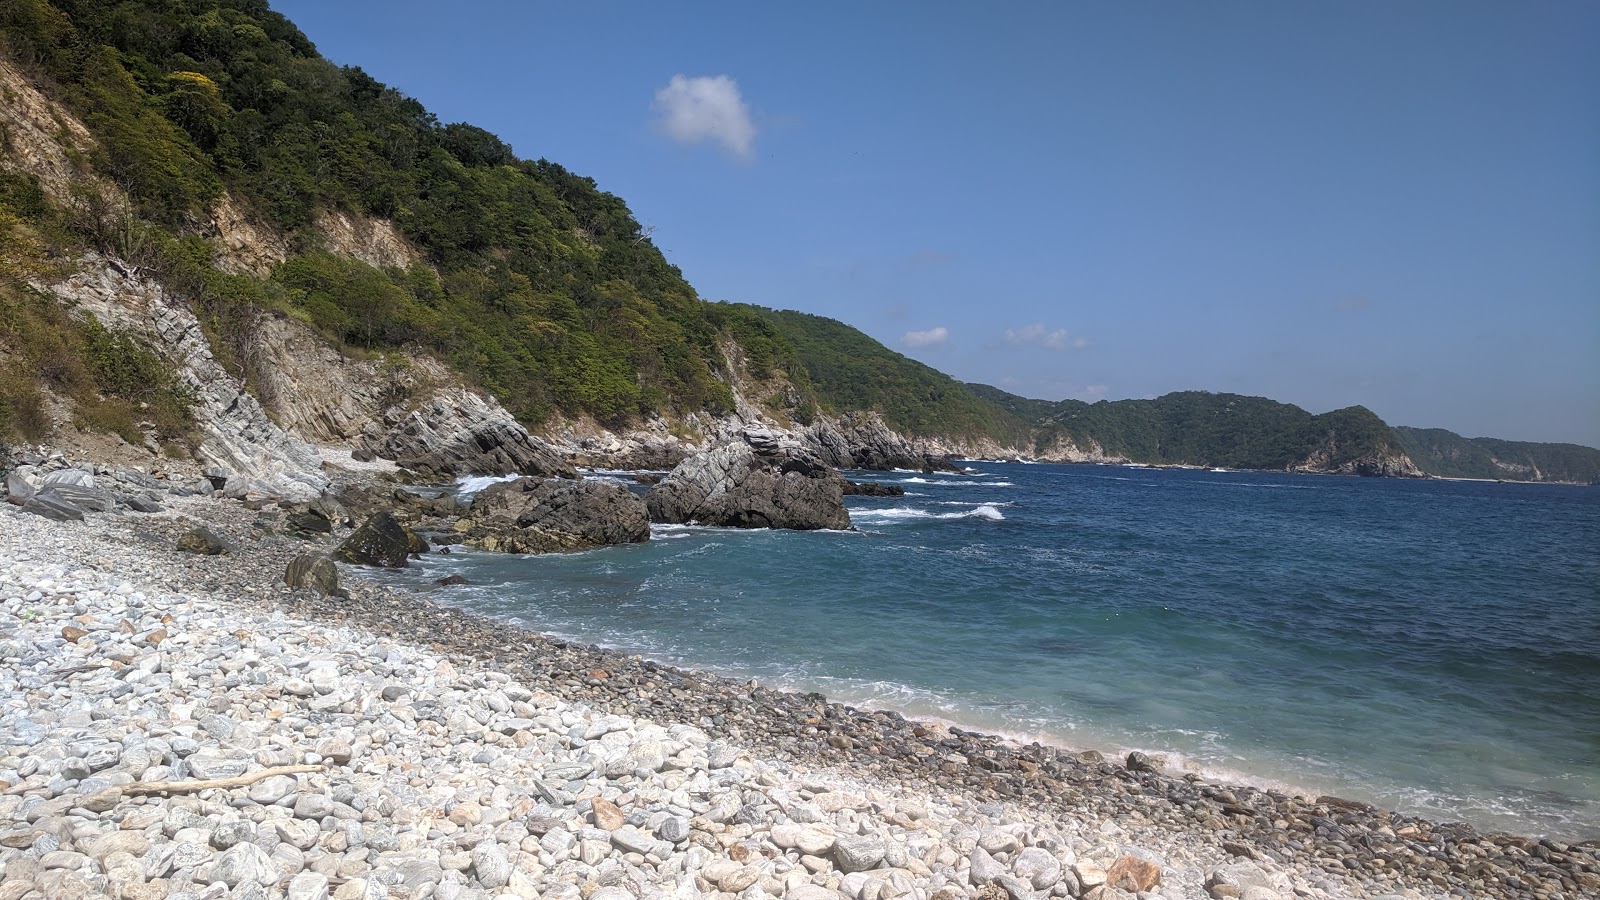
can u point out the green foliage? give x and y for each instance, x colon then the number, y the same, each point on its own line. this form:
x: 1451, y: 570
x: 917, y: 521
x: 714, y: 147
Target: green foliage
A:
x: 541, y: 287
x: 851, y: 371
x: 1206, y: 429
x: 1449, y: 455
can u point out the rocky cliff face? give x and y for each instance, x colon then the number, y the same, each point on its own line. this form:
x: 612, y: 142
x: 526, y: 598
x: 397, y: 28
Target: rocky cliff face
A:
x: 236, y: 435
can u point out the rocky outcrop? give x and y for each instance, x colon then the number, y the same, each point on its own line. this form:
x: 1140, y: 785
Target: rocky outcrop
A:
x: 459, y: 432
x: 863, y: 441
x: 532, y: 515
x: 872, y: 489
x: 761, y: 481
x: 380, y: 541
x: 1384, y: 462
x: 235, y: 434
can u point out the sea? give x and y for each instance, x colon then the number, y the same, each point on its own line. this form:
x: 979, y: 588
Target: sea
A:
x: 1429, y: 646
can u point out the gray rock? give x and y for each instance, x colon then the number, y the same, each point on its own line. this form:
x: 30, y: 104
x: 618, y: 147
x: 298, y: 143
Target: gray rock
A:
x: 755, y: 483
x: 313, y: 806
x: 244, y: 864
x: 854, y: 853
x: 51, y: 505
x: 313, y: 571
x: 1038, y: 867
x: 229, y: 834
x: 533, y: 515
x: 380, y: 541
x: 461, y: 433
x: 491, y: 865
x: 673, y: 829
x: 18, y: 489
x: 984, y: 868
x: 629, y: 839
x: 217, y: 764
x: 204, y: 542
x: 143, y: 504
x: 308, y: 886
x: 85, y: 498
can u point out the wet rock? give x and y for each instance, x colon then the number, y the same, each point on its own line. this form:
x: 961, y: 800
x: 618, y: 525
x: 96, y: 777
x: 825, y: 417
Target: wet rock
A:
x: 380, y: 541
x: 759, y: 482
x: 531, y: 515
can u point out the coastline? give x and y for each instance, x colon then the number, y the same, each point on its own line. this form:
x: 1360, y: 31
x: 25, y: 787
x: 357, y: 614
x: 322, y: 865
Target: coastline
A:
x: 1305, y: 846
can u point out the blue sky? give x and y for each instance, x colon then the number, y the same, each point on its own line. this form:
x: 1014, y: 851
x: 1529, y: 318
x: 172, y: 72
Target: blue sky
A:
x: 1390, y: 204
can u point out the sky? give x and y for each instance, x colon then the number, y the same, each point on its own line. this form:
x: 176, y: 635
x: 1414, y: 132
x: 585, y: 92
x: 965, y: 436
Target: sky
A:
x: 1388, y: 204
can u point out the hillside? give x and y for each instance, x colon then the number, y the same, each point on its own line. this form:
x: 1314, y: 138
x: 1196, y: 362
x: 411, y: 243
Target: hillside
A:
x: 849, y: 371
x: 1206, y: 429
x: 1449, y: 455
x: 223, y: 155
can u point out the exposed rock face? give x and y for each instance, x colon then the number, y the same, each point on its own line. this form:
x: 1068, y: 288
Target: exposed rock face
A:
x: 532, y: 515
x: 461, y: 433
x: 235, y: 434
x: 1383, y: 463
x: 760, y: 482
x: 863, y: 441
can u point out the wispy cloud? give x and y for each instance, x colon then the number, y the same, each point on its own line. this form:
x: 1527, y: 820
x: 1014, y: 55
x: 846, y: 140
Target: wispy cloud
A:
x: 927, y: 338
x: 706, y: 107
x: 1094, y: 390
x: 1037, y: 334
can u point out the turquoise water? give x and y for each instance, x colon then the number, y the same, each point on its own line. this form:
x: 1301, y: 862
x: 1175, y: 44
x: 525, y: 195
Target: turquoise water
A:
x: 1432, y: 647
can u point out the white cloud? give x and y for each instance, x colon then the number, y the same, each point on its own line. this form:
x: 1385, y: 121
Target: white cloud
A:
x: 926, y: 338
x: 1094, y: 390
x: 694, y: 109
x: 1050, y: 339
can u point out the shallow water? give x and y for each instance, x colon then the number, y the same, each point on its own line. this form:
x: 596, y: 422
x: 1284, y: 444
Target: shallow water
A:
x: 1432, y: 647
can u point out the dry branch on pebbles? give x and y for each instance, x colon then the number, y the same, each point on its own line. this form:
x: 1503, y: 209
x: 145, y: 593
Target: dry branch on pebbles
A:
x: 456, y: 757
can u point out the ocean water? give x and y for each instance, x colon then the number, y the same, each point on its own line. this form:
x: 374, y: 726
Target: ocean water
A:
x: 1432, y: 647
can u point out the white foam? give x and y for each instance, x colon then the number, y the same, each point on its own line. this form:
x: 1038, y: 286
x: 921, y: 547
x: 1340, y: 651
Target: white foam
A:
x: 906, y: 513
x: 467, y: 485
x: 948, y: 483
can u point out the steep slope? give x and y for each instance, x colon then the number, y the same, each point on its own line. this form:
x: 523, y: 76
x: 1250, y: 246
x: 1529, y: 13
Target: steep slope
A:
x: 1449, y: 455
x: 850, y: 371
x: 243, y: 154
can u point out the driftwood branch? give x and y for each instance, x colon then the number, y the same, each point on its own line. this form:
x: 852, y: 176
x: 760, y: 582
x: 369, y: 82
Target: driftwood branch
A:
x: 138, y: 788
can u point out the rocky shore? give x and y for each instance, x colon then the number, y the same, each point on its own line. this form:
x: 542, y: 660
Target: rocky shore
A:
x: 378, y: 745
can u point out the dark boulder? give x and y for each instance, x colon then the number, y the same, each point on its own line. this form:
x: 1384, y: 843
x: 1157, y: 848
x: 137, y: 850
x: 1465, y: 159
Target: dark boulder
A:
x: 872, y: 489
x: 449, y: 580
x: 759, y: 482
x: 532, y: 515
x: 143, y: 504
x: 313, y: 571
x: 52, y: 505
x: 309, y: 524
x: 380, y: 541
x: 204, y: 542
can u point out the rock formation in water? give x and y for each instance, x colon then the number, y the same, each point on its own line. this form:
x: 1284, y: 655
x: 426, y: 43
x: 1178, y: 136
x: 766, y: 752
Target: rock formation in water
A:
x: 758, y: 482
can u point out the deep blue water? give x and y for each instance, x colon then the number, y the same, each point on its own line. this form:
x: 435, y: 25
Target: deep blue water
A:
x: 1433, y: 647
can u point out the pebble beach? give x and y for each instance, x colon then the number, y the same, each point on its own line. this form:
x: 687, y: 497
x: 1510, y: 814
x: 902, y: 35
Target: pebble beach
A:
x: 187, y: 726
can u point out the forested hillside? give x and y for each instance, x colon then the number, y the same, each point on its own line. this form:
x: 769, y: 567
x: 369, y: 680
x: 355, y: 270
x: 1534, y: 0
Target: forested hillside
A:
x: 533, y: 282
x: 1202, y: 428
x: 852, y: 371
x: 1449, y: 455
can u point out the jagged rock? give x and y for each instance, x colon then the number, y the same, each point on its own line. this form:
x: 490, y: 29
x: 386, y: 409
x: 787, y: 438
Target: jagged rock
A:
x: 1133, y: 874
x: 83, y: 495
x: 863, y: 441
x: 461, y: 433
x: 757, y: 483
x: 52, y: 505
x: 450, y: 580
x: 380, y: 541
x: 73, y: 477
x: 309, y: 524
x: 313, y: 571
x: 203, y: 541
x: 235, y: 434
x: 872, y: 489
x: 18, y: 489
x: 143, y: 504
x: 532, y: 515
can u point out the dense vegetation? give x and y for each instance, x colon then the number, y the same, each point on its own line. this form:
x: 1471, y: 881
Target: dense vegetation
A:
x: 1449, y: 455
x: 851, y: 371
x: 115, y: 384
x: 1202, y: 428
x: 538, y: 285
